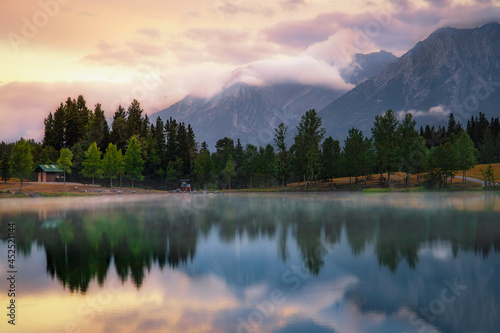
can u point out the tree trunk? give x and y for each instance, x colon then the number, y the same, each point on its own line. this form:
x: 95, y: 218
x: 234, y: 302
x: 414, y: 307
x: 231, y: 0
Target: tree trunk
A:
x: 229, y: 182
x: 132, y: 184
x: 64, y: 177
x: 120, y: 182
x: 92, y: 181
x: 111, y: 182
x: 356, y: 181
x: 21, y: 189
x: 388, y: 177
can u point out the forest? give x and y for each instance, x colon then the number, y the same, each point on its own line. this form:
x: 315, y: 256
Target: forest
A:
x: 136, y: 151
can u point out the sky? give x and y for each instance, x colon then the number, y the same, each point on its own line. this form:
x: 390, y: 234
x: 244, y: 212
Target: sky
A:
x: 160, y: 51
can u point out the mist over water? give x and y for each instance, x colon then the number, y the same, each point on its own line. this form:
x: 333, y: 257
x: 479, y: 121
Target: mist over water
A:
x: 341, y: 262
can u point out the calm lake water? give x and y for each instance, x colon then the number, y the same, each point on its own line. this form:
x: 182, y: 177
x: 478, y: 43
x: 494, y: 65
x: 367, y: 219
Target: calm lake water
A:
x: 388, y: 263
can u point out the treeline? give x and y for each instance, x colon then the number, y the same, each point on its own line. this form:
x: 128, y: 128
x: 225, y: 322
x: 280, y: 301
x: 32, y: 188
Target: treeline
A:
x: 158, y: 154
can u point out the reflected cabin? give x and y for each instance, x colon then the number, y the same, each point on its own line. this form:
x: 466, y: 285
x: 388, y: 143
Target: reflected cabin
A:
x: 48, y: 172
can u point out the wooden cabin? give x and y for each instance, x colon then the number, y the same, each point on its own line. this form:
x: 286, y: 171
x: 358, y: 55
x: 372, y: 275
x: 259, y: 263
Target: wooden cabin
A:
x: 48, y: 173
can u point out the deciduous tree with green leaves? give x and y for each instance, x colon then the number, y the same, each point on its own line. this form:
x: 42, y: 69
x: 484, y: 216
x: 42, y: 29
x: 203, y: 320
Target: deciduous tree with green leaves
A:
x: 466, y: 153
x: 229, y: 170
x: 21, y: 160
x: 92, y: 163
x: 204, y: 168
x: 112, y: 162
x: 65, y: 162
x: 134, y: 164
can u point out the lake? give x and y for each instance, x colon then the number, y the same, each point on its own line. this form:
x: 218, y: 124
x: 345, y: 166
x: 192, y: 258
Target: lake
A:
x: 341, y: 262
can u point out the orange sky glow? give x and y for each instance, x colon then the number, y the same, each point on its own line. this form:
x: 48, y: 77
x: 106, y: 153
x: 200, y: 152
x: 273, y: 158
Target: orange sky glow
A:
x: 160, y: 51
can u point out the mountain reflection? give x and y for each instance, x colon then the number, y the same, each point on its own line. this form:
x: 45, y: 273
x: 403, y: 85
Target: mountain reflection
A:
x: 81, y: 245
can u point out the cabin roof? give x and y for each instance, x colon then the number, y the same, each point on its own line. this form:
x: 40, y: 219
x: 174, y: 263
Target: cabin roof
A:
x: 48, y: 168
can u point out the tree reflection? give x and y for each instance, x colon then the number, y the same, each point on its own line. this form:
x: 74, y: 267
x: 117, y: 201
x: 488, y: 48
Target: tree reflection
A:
x: 81, y: 245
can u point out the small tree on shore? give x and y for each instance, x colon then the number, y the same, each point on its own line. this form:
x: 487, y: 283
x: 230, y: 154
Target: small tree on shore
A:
x: 92, y: 164
x: 134, y: 164
x: 65, y: 161
x: 229, y: 171
x: 21, y: 160
x: 488, y: 176
x: 112, y: 162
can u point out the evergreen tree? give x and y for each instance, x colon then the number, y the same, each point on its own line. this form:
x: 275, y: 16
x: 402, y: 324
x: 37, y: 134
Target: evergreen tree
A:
x: 48, y: 155
x: 49, y: 135
x: 249, y: 168
x: 453, y: 126
x: 408, y: 145
x: 92, y: 164
x: 307, y: 142
x: 65, y: 161
x: 384, y: 134
x: 268, y: 163
x: 330, y: 159
x: 487, y: 150
x: 21, y: 160
x: 282, y: 165
x: 97, y: 129
x: 355, y: 154
x: 119, y: 134
x: 58, y: 131
x: 5, y: 167
x: 134, y: 118
x: 134, y: 164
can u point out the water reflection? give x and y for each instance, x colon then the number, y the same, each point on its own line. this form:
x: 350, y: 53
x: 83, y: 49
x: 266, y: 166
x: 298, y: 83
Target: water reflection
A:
x: 343, y: 263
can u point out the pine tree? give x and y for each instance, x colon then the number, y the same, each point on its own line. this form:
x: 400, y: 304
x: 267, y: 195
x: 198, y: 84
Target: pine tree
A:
x: 58, y: 140
x: 330, y: 159
x: 282, y: 163
x: 307, y: 142
x: 119, y: 134
x: 65, y: 161
x: 355, y: 154
x: 384, y: 133
x: 407, y: 147
x: 5, y: 167
x: 92, y: 164
x: 134, y: 118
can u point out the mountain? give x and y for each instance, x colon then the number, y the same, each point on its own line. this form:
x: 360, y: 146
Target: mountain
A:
x: 365, y: 66
x: 248, y: 112
x: 453, y: 70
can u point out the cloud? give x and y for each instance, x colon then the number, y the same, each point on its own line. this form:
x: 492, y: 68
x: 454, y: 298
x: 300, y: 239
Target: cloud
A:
x: 235, y: 47
x: 153, y: 33
x: 302, y: 33
x: 305, y: 70
x: 292, y: 4
x: 438, y: 111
